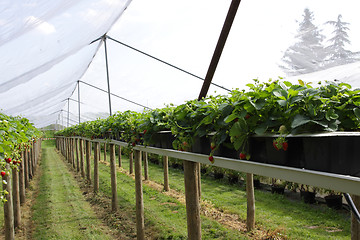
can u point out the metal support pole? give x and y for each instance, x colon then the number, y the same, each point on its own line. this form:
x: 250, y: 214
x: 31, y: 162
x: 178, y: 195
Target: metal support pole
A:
x: 79, y: 99
x: 68, y: 116
x: 219, y: 47
x: 107, y: 73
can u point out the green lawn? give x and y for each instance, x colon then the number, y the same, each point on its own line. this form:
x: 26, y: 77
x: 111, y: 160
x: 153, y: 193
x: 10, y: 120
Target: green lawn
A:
x: 60, y: 210
x: 273, y: 212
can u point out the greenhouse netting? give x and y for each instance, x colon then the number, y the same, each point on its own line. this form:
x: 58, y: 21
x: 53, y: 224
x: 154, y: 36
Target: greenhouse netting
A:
x: 52, y: 53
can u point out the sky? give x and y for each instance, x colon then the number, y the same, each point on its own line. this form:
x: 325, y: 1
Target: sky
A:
x: 183, y: 33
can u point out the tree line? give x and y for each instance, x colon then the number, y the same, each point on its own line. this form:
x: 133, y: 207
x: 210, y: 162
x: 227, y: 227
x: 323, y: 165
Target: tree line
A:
x: 313, y: 51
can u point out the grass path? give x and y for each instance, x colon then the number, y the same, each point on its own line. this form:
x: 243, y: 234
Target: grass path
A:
x: 60, y: 210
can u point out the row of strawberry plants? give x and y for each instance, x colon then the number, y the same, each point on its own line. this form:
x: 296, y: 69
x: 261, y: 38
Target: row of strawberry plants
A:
x: 16, y: 135
x: 276, y: 107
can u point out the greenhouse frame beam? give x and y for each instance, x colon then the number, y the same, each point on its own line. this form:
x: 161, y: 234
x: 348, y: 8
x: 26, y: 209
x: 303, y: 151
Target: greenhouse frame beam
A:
x: 219, y: 47
x: 164, y: 62
x: 107, y: 73
x: 337, y: 182
x: 78, y: 84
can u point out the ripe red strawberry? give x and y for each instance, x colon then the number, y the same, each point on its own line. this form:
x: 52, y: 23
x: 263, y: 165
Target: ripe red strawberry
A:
x: 133, y: 144
x: 3, y: 174
x: 285, y: 146
x: 242, y: 156
x: 247, y: 116
x: 275, y: 145
x: 211, y: 159
x: 212, y: 146
x: 8, y: 160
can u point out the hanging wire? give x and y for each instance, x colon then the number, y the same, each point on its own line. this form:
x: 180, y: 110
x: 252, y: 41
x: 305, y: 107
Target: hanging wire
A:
x: 125, y: 99
x: 171, y: 65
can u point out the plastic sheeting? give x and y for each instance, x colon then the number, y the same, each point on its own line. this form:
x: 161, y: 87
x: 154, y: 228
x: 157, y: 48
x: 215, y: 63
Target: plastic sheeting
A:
x: 45, y: 49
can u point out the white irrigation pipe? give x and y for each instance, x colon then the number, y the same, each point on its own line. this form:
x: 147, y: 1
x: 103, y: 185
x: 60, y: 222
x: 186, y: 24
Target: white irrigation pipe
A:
x: 337, y: 182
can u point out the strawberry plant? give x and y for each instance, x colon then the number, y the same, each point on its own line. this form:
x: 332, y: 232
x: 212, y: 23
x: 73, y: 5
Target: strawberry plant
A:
x: 16, y: 134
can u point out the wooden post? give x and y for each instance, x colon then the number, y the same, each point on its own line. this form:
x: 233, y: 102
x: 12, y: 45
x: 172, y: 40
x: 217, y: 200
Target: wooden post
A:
x: 96, y: 169
x: 68, y: 150
x: 77, y: 155
x: 250, y: 219
x: 355, y: 226
x: 31, y: 163
x: 26, y: 167
x: 16, y: 198
x: 131, y: 162
x: 140, y: 226
x: 105, y: 152
x: 73, y: 153
x: 8, y: 208
x: 99, y: 151
x: 114, y: 199
x: 22, y: 178
x: 82, y: 165
x: 166, y: 173
x: 119, y: 152
x: 146, y: 166
x: 192, y: 200
x: 88, y: 150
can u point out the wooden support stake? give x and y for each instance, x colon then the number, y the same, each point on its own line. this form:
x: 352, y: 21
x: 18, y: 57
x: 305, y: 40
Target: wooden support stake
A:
x: 77, y: 155
x: 140, y: 226
x: 88, y: 169
x: 82, y: 165
x: 250, y: 219
x: 99, y: 151
x: 192, y: 200
x: 31, y: 159
x: 96, y: 168
x: 16, y: 198
x: 105, y: 152
x: 131, y: 162
x: 22, y: 178
x: 26, y: 168
x: 72, y: 153
x: 119, y: 155
x: 114, y: 199
x: 355, y: 226
x: 146, y: 166
x: 8, y: 208
x: 166, y: 173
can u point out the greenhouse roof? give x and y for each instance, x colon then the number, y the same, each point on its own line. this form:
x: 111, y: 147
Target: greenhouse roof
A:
x: 50, y: 51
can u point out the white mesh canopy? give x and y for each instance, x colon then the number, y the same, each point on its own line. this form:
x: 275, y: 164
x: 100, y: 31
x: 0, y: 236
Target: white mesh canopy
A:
x: 49, y: 49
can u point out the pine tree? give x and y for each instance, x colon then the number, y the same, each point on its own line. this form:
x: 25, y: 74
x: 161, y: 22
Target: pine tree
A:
x: 308, y: 53
x: 337, y: 54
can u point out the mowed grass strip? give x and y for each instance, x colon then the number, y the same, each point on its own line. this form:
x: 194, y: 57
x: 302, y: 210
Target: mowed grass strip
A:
x: 60, y: 210
x: 165, y: 217
x: 274, y: 212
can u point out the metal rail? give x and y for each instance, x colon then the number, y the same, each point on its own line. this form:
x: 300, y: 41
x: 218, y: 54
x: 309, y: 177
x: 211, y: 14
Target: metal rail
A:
x: 337, y: 182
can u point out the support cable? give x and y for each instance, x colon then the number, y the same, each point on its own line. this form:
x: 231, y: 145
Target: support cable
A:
x: 115, y: 95
x: 169, y: 64
x: 352, y: 206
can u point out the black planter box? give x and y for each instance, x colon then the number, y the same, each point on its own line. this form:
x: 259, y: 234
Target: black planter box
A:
x: 201, y: 145
x: 336, y: 152
x: 163, y: 139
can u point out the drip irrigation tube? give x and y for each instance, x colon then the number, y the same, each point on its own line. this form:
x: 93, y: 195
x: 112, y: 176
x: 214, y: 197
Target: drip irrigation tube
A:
x: 352, y: 206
